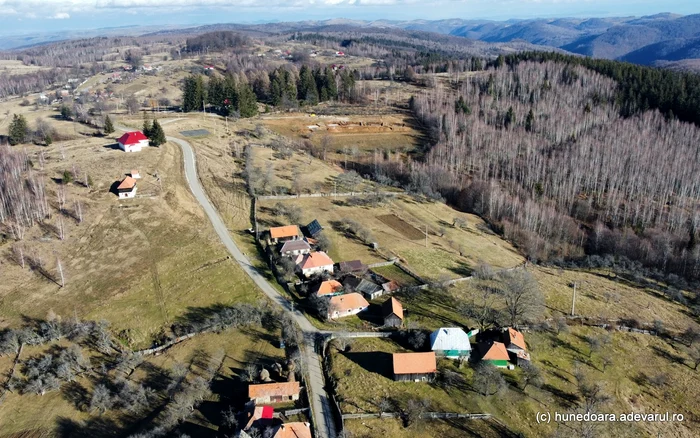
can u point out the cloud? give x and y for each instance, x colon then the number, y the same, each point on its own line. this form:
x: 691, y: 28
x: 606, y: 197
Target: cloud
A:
x: 57, y: 16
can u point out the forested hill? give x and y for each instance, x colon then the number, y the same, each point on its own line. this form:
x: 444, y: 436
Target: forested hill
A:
x: 540, y: 148
x: 638, y: 88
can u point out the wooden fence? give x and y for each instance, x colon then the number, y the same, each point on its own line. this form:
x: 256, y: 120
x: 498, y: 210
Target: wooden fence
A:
x: 326, y: 195
x: 426, y: 415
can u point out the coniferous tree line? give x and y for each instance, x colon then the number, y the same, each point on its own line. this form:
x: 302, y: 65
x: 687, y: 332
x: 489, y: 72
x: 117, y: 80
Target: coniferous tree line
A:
x: 540, y: 149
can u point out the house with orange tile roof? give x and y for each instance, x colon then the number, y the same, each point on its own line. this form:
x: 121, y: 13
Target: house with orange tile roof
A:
x: 292, y: 430
x: 127, y: 188
x: 274, y: 392
x: 346, y: 305
x: 314, y: 263
x: 416, y: 367
x: 495, y: 353
x: 328, y: 288
x: 392, y: 311
x: 516, y: 346
x: 285, y: 233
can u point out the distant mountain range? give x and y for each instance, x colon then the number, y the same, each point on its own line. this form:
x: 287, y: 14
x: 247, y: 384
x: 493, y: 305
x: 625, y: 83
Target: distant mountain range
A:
x: 658, y: 40
x: 664, y: 40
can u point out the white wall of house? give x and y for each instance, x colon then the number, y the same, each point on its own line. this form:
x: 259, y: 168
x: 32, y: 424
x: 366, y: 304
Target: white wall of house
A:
x: 336, y: 314
x: 127, y: 195
x: 134, y: 147
x: 296, y: 252
x: 317, y: 270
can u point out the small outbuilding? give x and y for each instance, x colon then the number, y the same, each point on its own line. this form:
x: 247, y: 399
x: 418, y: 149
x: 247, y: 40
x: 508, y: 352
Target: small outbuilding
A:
x: 416, y: 367
x: 392, y: 311
x: 274, y: 392
x: 352, y: 267
x: 127, y: 188
x: 133, y: 141
x: 516, y: 346
x: 450, y: 342
x: 135, y: 174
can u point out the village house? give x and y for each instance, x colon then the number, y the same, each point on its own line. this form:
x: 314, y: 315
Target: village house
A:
x: 346, y: 305
x: 415, y: 367
x: 314, y: 263
x: 515, y: 345
x: 328, y: 288
x: 127, y: 188
x: 293, y: 248
x: 450, y: 342
x: 274, y: 392
x: 292, y: 430
x: 285, y: 233
x: 132, y: 141
x: 392, y: 311
x: 494, y: 353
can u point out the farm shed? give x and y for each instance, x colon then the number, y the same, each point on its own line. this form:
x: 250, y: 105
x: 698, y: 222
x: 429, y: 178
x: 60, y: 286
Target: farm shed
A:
x: 352, y: 267
x: 392, y: 311
x: 416, y: 367
x: 450, y: 342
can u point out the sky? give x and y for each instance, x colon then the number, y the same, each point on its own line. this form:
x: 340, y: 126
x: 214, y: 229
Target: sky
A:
x: 32, y: 16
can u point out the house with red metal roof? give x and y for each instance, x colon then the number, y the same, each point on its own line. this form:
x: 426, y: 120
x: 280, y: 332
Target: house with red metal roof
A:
x: 132, y: 141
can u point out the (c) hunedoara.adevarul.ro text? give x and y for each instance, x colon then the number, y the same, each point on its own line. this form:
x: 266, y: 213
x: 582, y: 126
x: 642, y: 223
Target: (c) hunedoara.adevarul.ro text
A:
x: 596, y: 417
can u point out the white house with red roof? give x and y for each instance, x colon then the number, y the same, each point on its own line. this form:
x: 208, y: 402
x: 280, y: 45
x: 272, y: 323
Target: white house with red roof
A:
x: 314, y: 263
x: 132, y: 141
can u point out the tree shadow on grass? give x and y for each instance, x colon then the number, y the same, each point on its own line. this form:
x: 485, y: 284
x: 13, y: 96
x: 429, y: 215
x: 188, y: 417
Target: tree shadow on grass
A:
x: 372, y: 315
x: 76, y: 394
x: 377, y: 362
x: 567, y: 399
x: 668, y: 355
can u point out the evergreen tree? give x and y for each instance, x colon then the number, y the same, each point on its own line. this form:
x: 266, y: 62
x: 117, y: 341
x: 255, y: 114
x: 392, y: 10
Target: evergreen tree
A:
x: 66, y: 112
x: 216, y: 92
x: 157, y: 136
x: 193, y: 93
x: 48, y: 140
x: 276, y: 87
x: 109, y: 127
x: 510, y: 117
x: 19, y: 130
x: 307, y: 86
x: 530, y: 121
x: 230, y: 91
x: 147, y: 126
x: 330, y: 84
x: 247, y: 105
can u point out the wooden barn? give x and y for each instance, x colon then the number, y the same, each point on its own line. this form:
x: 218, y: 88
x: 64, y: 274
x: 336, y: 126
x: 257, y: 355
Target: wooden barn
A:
x: 414, y: 367
x: 392, y: 311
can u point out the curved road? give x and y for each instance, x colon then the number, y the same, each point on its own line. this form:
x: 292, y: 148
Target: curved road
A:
x: 320, y: 405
